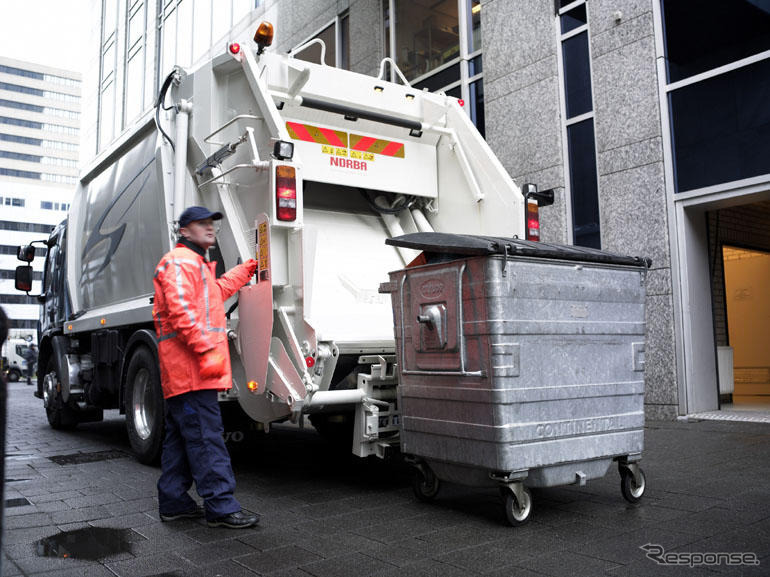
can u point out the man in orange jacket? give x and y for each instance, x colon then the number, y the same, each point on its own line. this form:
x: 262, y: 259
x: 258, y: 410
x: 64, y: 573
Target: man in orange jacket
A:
x: 194, y: 356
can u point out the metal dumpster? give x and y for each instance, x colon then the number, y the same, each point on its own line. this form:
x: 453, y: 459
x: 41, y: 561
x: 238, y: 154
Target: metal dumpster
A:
x: 521, y: 364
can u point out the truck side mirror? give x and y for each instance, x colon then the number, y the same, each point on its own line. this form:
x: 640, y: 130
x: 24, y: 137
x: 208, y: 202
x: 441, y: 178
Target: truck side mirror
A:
x: 23, y: 278
x: 26, y: 253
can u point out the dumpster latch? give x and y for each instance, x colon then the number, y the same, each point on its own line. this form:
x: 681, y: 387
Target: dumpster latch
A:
x: 433, y: 329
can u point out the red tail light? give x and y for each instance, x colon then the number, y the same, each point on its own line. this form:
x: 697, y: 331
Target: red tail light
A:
x: 285, y: 193
x: 533, y: 220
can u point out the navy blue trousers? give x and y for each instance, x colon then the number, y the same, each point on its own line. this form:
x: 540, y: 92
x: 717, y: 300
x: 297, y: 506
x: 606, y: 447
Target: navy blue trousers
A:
x: 194, y: 450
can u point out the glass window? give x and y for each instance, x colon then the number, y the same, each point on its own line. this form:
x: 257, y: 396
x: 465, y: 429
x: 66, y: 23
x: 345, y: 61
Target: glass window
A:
x: 313, y: 53
x: 713, y: 33
x: 168, y: 56
x: 477, y: 105
x: 184, y: 34
x: 427, y: 35
x: 134, y: 87
x: 136, y: 24
x: 475, y: 39
x: 106, y: 124
x: 574, y: 19
x: 583, y: 184
x: 475, y: 66
x: 721, y: 128
x: 577, y: 75
x: 345, y: 38
x: 221, y: 19
x: 202, y: 28
x: 440, y: 79
x: 241, y: 8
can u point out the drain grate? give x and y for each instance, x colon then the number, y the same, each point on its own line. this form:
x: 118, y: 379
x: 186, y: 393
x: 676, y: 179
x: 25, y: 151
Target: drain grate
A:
x: 81, y: 458
x: 20, y: 502
x: 735, y: 416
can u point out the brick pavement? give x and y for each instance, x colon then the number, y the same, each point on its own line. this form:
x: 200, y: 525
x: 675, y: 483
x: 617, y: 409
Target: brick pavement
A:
x: 328, y: 514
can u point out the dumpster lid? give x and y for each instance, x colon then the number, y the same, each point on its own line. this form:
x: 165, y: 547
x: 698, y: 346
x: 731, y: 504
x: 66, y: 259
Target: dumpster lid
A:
x: 475, y: 245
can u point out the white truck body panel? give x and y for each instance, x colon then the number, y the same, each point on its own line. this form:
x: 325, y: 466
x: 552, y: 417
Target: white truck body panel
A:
x: 349, y: 132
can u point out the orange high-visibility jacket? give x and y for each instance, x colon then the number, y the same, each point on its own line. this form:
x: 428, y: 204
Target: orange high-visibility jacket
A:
x: 189, y: 317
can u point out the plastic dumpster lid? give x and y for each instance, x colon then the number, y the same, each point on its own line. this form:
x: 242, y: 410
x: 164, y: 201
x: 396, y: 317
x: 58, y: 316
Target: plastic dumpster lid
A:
x: 474, y: 245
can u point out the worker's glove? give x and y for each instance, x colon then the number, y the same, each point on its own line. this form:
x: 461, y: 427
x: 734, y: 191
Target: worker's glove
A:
x: 251, y: 266
x: 212, y: 364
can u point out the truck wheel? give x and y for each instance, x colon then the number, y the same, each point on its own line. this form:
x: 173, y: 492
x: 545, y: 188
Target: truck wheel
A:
x: 13, y: 376
x: 60, y: 415
x: 144, y: 406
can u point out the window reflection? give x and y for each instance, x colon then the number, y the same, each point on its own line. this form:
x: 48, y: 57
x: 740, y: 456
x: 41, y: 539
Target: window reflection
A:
x: 427, y: 35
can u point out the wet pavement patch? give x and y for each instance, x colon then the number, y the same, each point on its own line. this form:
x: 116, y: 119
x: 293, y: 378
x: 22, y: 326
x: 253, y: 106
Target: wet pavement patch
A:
x: 91, y: 543
x: 19, y: 456
x: 81, y: 458
x: 20, y: 502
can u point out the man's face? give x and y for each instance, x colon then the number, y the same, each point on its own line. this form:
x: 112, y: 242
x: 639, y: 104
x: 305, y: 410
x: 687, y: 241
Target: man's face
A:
x: 201, y: 232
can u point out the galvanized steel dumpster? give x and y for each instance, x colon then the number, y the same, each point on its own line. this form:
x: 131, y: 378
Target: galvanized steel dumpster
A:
x: 521, y: 364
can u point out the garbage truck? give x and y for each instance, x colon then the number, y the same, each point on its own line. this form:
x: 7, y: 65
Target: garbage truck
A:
x: 313, y: 168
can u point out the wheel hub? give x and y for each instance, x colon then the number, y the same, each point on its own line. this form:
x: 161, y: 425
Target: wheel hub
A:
x: 49, y: 389
x: 142, y: 410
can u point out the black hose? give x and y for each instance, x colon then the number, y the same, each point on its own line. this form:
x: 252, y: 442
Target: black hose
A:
x: 161, y: 98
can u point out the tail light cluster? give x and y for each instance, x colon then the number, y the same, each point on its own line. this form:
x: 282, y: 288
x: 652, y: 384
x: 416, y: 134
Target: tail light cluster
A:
x: 285, y: 193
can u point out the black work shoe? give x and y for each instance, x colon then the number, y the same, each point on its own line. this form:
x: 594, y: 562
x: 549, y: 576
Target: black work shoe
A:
x: 238, y: 520
x: 195, y: 513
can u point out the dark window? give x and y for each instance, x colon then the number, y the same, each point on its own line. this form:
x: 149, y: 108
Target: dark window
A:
x: 19, y: 173
x: 577, y: 75
x: 22, y: 324
x: 20, y: 122
x: 583, y: 184
x: 21, y: 139
x: 721, y: 128
x: 22, y: 89
x: 21, y: 72
x: 440, y: 79
x: 573, y: 19
x: 25, y: 226
x: 427, y: 36
x: 477, y: 105
x: 345, y: 48
x: 19, y: 156
x: 475, y: 66
x: 711, y: 33
x: 11, y: 274
x: 8, y: 249
x: 21, y: 105
x: 18, y: 300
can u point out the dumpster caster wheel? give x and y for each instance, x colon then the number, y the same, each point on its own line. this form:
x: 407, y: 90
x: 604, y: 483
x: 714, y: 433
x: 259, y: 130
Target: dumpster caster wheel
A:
x: 631, y: 486
x: 425, y: 484
x: 518, y: 505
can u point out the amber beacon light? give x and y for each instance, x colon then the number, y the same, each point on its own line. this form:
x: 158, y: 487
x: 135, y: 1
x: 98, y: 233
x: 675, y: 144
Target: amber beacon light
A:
x: 264, y: 36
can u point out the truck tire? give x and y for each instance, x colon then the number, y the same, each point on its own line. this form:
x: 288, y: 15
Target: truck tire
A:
x: 60, y: 415
x: 14, y: 375
x: 144, y: 406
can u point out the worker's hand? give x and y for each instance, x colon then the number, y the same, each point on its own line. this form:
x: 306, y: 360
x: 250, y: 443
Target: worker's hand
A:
x: 251, y: 266
x: 212, y: 364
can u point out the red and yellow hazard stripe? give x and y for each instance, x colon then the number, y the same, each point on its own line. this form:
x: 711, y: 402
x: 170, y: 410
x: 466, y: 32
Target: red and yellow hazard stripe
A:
x: 310, y: 133
x: 360, y: 146
x: 377, y: 145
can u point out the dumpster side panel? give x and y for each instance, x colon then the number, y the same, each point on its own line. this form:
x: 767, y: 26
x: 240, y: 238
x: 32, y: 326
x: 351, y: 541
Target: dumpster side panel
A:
x: 545, y: 367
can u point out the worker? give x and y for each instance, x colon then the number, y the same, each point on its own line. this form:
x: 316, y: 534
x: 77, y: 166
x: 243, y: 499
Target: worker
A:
x: 30, y: 355
x: 189, y: 319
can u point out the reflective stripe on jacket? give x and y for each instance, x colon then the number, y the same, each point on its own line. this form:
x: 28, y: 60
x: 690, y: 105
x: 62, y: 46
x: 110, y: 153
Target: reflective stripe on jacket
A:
x: 189, y: 318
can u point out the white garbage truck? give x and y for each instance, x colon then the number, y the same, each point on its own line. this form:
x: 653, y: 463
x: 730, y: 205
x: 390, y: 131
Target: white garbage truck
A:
x: 313, y: 168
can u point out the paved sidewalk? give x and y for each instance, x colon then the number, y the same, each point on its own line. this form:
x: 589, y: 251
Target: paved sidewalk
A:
x: 328, y: 514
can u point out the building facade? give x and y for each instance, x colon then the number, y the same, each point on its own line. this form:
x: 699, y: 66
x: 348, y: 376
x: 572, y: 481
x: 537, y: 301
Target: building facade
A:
x: 651, y: 126
x: 39, y: 151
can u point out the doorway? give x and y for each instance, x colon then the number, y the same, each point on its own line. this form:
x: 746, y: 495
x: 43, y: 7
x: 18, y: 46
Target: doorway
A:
x: 747, y: 299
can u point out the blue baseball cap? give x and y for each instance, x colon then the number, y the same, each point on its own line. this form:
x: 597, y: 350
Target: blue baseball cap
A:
x: 197, y: 213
